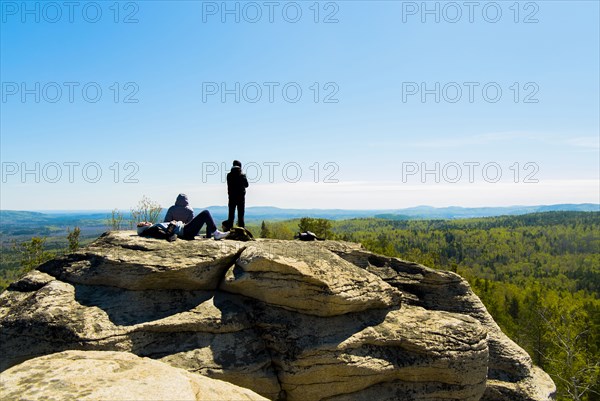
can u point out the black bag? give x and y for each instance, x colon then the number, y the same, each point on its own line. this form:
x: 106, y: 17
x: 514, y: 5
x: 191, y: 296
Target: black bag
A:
x: 240, y: 234
x: 159, y: 233
x: 308, y: 236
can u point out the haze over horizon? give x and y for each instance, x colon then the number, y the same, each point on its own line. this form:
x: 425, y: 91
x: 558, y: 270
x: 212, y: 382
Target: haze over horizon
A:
x: 426, y: 209
x: 329, y: 105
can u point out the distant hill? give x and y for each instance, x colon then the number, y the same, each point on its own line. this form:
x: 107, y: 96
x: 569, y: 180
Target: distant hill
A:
x: 7, y: 216
x: 275, y: 213
x: 456, y: 212
x: 22, y: 225
x: 254, y: 213
x: 418, y: 212
x: 18, y: 217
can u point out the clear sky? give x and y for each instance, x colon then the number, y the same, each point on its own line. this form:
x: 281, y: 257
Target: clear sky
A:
x: 342, y: 104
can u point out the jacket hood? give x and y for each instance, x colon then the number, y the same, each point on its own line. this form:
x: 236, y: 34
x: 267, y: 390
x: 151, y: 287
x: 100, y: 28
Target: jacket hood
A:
x: 236, y: 170
x: 182, y: 200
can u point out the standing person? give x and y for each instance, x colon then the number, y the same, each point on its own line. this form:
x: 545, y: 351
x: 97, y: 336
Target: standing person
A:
x: 236, y: 190
x: 180, y: 211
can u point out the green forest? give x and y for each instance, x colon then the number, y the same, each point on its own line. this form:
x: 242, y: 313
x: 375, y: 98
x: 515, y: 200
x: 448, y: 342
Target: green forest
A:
x: 537, y: 274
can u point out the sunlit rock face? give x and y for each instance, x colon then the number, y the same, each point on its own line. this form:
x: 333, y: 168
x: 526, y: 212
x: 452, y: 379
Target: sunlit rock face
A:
x: 288, y: 320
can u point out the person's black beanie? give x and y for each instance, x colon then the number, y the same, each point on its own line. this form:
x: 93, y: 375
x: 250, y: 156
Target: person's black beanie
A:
x: 237, y: 163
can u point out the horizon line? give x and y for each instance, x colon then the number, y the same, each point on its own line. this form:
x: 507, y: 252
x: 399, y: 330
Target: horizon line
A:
x: 323, y: 209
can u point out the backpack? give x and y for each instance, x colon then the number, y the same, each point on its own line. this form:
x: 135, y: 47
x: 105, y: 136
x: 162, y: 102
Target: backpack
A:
x: 307, y: 236
x: 240, y: 234
x: 159, y: 232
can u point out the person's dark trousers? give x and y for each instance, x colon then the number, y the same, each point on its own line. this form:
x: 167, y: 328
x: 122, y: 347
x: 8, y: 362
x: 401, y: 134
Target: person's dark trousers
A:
x: 192, y: 229
x: 240, y: 204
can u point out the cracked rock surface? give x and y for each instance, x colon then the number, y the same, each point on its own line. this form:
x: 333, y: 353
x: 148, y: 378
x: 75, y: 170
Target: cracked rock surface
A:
x: 286, y: 319
x: 97, y: 375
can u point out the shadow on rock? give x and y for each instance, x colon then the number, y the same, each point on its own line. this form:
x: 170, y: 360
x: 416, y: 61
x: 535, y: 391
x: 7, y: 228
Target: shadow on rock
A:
x: 128, y: 308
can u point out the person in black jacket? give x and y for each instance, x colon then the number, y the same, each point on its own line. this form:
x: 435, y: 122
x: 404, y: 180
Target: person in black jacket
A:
x: 180, y: 211
x: 236, y: 189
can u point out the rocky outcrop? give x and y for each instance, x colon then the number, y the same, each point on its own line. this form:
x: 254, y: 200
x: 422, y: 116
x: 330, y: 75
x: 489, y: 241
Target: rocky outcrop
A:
x: 123, y: 261
x: 287, y: 320
x: 94, y: 375
x: 511, y: 375
x: 306, y: 279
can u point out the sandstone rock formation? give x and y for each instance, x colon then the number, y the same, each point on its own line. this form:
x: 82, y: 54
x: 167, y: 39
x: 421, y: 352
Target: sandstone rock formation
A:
x: 285, y: 319
x: 511, y: 375
x: 111, y: 376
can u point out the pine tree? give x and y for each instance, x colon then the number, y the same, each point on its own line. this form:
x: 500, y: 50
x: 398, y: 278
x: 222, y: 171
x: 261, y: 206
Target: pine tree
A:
x: 264, y: 230
x: 73, y: 238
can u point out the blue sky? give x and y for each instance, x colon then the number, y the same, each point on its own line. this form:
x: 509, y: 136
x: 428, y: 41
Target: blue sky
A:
x: 497, y: 104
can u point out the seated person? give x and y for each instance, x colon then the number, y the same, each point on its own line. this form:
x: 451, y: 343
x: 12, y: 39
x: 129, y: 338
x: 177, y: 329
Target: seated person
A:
x: 170, y: 231
x: 180, y: 211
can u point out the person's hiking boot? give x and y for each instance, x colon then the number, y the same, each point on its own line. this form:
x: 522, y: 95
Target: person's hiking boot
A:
x: 171, y: 236
x: 218, y: 235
